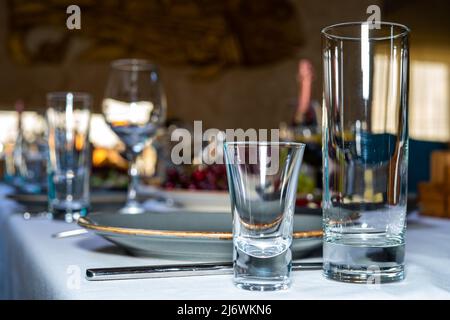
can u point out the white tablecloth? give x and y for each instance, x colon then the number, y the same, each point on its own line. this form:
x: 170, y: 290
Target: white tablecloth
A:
x: 33, y: 265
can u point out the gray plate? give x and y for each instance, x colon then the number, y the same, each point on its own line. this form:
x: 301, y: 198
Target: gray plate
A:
x: 96, y: 198
x: 188, y: 235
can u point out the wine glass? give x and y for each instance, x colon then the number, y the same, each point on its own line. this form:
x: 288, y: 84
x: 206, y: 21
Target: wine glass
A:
x: 134, y: 107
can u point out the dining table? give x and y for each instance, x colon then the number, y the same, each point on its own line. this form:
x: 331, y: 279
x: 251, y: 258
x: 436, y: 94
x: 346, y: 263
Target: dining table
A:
x: 35, y: 265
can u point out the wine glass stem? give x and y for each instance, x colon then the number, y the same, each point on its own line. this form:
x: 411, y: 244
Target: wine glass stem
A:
x: 134, y: 180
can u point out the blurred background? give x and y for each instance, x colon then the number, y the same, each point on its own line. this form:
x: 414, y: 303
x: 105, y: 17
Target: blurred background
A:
x: 231, y: 63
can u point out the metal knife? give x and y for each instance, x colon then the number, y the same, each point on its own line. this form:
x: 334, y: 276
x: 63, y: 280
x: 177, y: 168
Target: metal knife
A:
x: 69, y: 233
x: 176, y: 270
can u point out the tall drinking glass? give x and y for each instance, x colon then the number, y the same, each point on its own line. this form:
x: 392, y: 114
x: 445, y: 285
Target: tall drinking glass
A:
x: 365, y: 151
x: 134, y: 107
x: 69, y: 162
x: 262, y: 180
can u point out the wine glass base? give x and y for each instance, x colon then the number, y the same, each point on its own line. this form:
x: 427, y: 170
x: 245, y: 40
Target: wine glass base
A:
x: 132, y: 208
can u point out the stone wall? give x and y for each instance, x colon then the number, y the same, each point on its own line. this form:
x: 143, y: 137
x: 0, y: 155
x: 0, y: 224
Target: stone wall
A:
x: 239, y: 94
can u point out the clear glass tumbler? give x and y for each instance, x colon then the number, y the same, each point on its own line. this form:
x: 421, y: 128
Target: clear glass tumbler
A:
x: 262, y: 180
x: 68, y: 119
x: 365, y: 151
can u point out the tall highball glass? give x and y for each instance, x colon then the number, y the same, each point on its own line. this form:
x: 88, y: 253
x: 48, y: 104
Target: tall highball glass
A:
x: 365, y: 151
x: 69, y: 161
x: 262, y: 179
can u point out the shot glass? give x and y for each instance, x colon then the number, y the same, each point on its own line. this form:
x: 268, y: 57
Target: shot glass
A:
x: 262, y: 180
x: 68, y: 118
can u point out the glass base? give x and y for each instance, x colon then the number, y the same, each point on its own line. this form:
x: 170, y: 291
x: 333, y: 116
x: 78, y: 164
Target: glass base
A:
x: 69, y: 217
x: 262, y: 274
x: 344, y: 273
x: 132, y: 207
x: 68, y: 212
x: 257, y: 284
x: 364, y: 262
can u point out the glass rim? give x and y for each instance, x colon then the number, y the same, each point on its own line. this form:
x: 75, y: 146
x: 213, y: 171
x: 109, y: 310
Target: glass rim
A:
x: 403, y: 31
x: 132, y: 64
x: 62, y: 95
x: 266, y: 143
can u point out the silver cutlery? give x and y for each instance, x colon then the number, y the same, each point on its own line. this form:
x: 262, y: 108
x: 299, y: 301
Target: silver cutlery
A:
x: 176, y: 270
x: 69, y: 233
